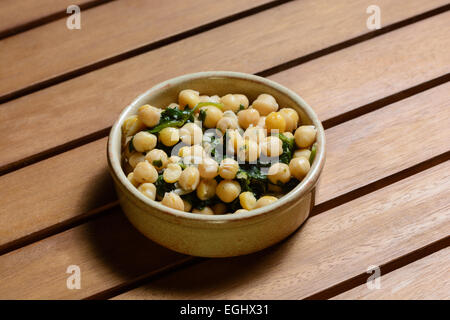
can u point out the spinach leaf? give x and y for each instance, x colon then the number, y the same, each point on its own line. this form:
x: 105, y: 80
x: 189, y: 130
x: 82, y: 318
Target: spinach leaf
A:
x: 157, y: 163
x: 162, y: 186
x: 288, y: 148
x: 252, y: 179
x: 202, y: 115
x: 131, y: 146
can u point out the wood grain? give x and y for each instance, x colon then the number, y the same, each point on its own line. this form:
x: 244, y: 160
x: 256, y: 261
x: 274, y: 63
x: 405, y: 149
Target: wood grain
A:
x: 106, y: 31
x: 332, y: 247
x: 424, y: 279
x: 15, y: 13
x: 79, y: 99
x: 101, y: 280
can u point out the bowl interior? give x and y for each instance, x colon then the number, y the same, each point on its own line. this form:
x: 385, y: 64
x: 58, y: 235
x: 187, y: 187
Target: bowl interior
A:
x: 218, y: 83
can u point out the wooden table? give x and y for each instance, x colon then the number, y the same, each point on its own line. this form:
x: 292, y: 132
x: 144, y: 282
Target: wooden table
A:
x: 383, y: 96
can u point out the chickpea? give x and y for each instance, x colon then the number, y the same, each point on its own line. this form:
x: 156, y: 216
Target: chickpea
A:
x: 193, y: 154
x: 131, y: 126
x: 279, y: 172
x: 291, y: 117
x: 205, y: 210
x: 135, y: 158
x: 148, y: 190
x: 219, y: 208
x: 241, y: 211
x: 130, y: 178
x: 248, y: 117
x: 228, y: 168
x: 234, y: 141
x: 173, y: 105
x: 149, y: 115
x: 243, y: 100
x: 191, y: 134
x: 226, y: 123
x: 188, y: 98
x: 145, y: 172
x: 305, y: 136
x: 228, y: 190
x: 272, y: 146
x: 204, y: 98
x: 189, y: 179
x: 144, y: 141
x: 299, y: 167
x: 172, y: 173
x: 274, y: 188
x: 172, y: 200
x: 206, y: 189
x: 262, y: 122
x: 187, y: 206
x: 230, y: 102
x: 275, y: 122
x: 249, y: 151
x: 264, y: 201
x: 212, y: 116
x: 158, y: 158
x: 265, y: 104
x: 208, y: 168
x: 255, y: 134
x: 174, y: 159
x: 169, y: 136
x: 302, y: 153
x: 288, y: 135
x: 214, y: 98
x: 247, y: 200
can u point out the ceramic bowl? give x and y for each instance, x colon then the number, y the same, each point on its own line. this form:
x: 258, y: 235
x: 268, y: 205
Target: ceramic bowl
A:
x: 217, y: 235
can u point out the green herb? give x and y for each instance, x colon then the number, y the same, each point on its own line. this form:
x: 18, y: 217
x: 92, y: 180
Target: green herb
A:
x: 162, y: 186
x: 313, y: 153
x: 252, y: 179
x: 288, y: 148
x: 157, y: 163
x: 241, y: 107
x: 197, y: 203
x: 130, y: 145
x: 202, y: 115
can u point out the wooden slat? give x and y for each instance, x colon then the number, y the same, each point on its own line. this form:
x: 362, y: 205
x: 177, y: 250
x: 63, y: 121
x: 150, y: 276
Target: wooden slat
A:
x: 16, y: 13
x: 95, y: 99
x: 425, y: 279
x: 106, y: 31
x: 367, y: 131
x: 332, y: 247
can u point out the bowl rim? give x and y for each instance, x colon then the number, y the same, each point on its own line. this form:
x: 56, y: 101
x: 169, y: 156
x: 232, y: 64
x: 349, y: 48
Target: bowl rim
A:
x: 303, y: 188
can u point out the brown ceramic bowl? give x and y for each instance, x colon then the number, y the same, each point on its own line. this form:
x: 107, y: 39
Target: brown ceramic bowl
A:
x: 217, y: 235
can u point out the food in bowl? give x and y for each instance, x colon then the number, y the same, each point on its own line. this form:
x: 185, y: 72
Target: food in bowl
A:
x: 216, y: 155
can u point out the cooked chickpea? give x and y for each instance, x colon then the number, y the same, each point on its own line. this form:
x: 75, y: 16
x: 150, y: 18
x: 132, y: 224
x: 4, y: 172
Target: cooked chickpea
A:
x: 219, y: 208
x: 255, y: 134
x: 247, y: 200
x: 212, y: 116
x: 290, y: 117
x: 249, y: 151
x: 265, y: 104
x: 130, y: 178
x: 299, y: 167
x: 228, y: 190
x: 228, y: 168
x: 288, y: 135
x: 279, y: 172
x: 234, y: 141
x: 172, y: 200
x: 302, y: 153
x: 193, y: 154
x: 145, y: 172
x: 206, y: 189
x: 205, y: 210
x: 264, y: 201
x: 135, y: 158
x: 173, y: 105
x: 248, y: 117
x: 149, y: 115
x: 305, y: 136
x: 241, y: 211
x: 230, y: 102
x: 187, y: 206
x: 275, y: 122
x: 203, y: 98
x: 169, y: 136
x: 243, y: 100
x: 208, y: 168
x: 272, y: 146
x: 191, y: 134
x: 174, y: 159
x: 148, y: 190
x: 131, y: 126
x: 262, y: 122
x: 226, y: 123
x: 188, y: 98
x: 189, y: 179
x: 172, y: 173
x: 158, y: 158
x: 144, y: 141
